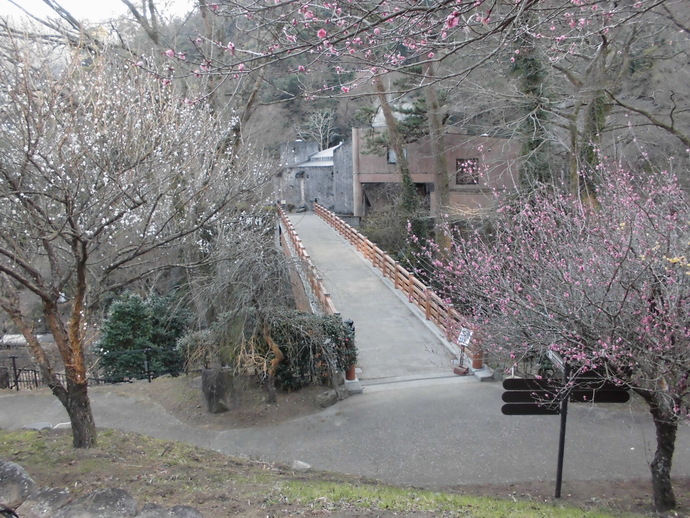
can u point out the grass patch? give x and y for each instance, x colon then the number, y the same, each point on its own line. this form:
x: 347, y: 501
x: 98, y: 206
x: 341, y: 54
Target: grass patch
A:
x: 379, y: 497
x: 169, y: 473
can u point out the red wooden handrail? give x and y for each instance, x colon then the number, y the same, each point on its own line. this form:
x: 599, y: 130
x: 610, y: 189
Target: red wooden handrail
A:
x: 313, y: 277
x: 445, y: 317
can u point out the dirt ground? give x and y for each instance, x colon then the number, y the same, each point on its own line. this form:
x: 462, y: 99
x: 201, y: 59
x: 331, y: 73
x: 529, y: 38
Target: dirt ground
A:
x: 182, y: 398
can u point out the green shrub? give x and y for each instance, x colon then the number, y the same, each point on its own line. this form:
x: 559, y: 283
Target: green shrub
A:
x: 312, y: 345
x: 138, y: 338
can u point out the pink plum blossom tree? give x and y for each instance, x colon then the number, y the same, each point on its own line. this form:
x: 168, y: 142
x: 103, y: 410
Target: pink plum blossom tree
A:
x: 582, y: 64
x: 606, y: 285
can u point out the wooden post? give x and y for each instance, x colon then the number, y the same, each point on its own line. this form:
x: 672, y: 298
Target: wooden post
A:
x: 15, y: 372
x: 427, y: 306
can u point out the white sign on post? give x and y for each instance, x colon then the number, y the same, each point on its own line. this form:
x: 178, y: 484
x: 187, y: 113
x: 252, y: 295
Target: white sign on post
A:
x: 465, y: 336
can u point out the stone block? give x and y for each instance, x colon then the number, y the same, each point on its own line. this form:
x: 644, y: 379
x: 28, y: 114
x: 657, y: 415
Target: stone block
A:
x: 327, y: 398
x: 218, y: 389
x: 15, y: 484
x: 44, y: 503
x: 104, y: 503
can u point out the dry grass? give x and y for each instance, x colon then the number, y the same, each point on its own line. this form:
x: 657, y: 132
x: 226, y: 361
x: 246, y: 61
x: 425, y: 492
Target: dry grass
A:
x: 170, y: 473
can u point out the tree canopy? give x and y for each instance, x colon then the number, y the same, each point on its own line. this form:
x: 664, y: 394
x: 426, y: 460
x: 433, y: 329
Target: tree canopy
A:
x: 605, y: 285
x: 107, y: 178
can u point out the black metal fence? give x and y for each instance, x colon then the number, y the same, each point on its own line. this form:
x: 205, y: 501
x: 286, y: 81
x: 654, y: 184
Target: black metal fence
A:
x: 12, y: 376
x: 131, y: 364
x: 529, y: 365
x: 119, y: 366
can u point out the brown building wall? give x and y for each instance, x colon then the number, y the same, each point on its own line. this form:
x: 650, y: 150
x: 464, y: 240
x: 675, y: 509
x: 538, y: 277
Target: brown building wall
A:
x: 493, y: 162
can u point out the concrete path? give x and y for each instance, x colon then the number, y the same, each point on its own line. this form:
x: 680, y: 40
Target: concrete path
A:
x: 394, y: 344
x: 433, y: 436
x: 415, y: 424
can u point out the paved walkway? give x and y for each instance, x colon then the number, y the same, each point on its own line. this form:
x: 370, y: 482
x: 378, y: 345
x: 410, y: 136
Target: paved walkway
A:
x: 395, y: 344
x: 415, y: 424
x: 432, y: 436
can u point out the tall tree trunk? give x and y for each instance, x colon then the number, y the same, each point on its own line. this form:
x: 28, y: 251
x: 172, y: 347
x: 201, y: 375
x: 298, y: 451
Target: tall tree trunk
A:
x: 80, y: 415
x: 74, y: 395
x: 436, y: 139
x: 209, y: 49
x: 595, y: 115
x: 147, y: 19
x: 409, y: 196
x: 531, y: 73
x: 438, y: 151
x: 666, y: 428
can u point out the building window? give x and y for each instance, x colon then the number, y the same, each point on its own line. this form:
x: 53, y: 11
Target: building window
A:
x: 466, y: 171
x: 392, y: 157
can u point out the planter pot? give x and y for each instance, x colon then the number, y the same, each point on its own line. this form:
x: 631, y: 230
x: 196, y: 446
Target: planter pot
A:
x: 478, y: 360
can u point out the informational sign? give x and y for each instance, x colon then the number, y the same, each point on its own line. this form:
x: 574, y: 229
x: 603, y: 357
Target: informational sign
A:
x: 538, y: 396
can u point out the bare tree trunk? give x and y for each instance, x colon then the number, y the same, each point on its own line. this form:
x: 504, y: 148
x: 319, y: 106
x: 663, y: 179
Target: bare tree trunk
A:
x: 74, y: 397
x: 79, y: 410
x: 438, y: 148
x: 529, y: 67
x: 595, y: 115
x: 409, y: 197
x: 666, y: 428
x: 147, y: 19
x: 208, y: 19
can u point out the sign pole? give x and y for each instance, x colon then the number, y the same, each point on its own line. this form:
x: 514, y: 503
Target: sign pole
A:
x: 537, y: 396
x: 15, y: 372
x: 561, y: 439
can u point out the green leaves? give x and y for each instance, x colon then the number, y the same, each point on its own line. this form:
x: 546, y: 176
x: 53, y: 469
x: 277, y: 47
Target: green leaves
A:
x: 311, y: 344
x: 139, y: 338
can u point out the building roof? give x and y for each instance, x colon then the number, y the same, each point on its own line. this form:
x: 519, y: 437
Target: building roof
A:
x: 320, y: 159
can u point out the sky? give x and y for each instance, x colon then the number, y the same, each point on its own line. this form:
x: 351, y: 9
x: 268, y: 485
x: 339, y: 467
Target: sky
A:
x: 92, y: 10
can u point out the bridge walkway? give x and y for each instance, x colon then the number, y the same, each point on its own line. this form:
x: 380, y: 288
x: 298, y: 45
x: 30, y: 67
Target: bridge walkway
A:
x: 395, y: 344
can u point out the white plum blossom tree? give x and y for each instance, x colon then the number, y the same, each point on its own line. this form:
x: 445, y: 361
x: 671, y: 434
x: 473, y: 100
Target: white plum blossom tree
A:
x: 107, y: 177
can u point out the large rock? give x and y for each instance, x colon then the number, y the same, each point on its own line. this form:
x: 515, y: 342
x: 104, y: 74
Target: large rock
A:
x: 39, y: 426
x: 15, y: 484
x: 104, y: 503
x: 153, y: 511
x: 17, y: 487
x: 44, y: 503
x: 184, y: 511
x: 218, y: 388
x: 298, y: 465
x: 327, y: 398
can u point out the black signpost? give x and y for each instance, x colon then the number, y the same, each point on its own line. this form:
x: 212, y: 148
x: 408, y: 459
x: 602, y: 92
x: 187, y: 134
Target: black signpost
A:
x: 561, y: 436
x: 532, y: 396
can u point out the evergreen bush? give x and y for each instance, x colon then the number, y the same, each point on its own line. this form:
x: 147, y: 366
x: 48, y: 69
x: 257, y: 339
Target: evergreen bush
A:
x: 138, y: 338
